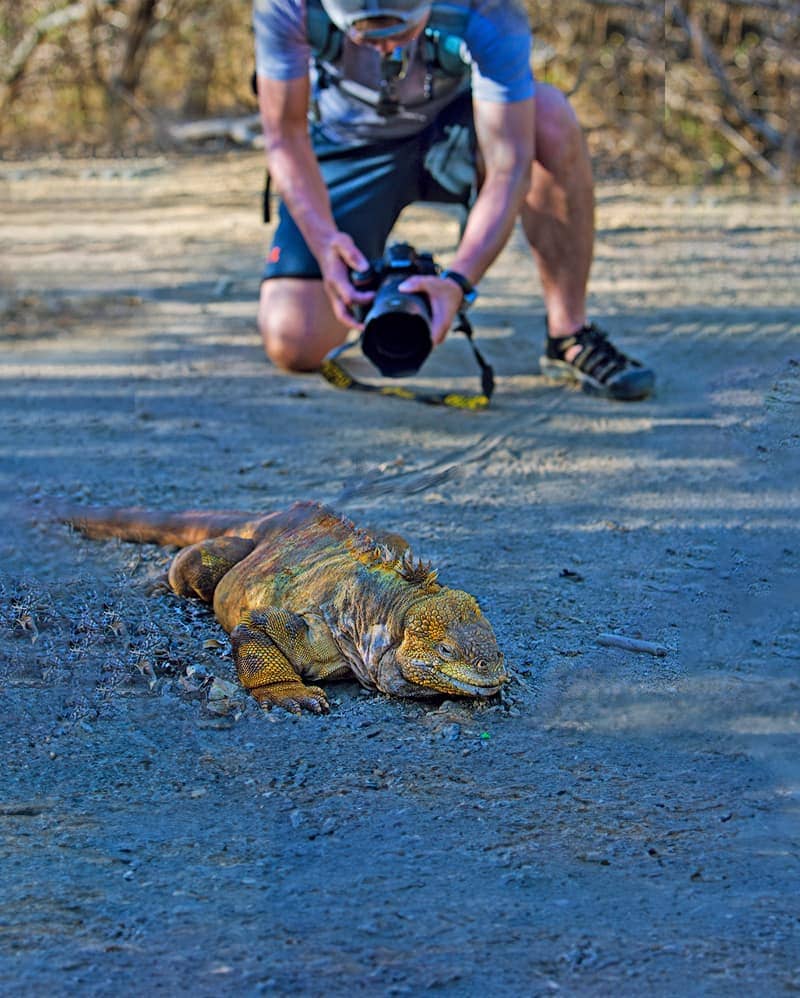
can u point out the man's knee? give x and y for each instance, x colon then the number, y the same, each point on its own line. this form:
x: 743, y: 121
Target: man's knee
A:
x: 295, y: 336
x: 284, y: 343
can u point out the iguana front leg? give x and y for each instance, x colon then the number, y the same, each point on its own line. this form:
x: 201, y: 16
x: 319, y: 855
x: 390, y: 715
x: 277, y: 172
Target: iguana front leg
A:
x: 273, y: 648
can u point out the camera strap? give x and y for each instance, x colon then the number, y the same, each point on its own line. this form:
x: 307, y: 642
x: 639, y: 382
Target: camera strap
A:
x: 336, y: 375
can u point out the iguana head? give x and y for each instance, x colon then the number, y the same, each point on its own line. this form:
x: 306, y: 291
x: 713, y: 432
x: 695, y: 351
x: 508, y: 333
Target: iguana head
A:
x: 448, y: 648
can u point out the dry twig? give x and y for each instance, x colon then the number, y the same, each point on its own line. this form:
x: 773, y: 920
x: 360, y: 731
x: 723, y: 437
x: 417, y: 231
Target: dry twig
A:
x: 632, y: 644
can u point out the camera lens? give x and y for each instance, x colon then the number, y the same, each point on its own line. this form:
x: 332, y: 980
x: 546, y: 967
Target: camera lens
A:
x: 397, y: 332
x: 397, y: 343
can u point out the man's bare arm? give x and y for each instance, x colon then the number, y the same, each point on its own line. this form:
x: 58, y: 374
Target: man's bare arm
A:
x: 506, y: 145
x: 295, y: 173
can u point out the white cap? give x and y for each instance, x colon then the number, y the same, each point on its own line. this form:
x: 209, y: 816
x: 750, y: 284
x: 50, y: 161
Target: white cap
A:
x: 344, y: 14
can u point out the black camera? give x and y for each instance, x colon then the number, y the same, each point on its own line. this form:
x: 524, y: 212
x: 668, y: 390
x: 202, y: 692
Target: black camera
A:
x: 397, y: 329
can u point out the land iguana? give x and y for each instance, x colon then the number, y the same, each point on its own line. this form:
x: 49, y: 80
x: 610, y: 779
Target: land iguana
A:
x: 306, y: 595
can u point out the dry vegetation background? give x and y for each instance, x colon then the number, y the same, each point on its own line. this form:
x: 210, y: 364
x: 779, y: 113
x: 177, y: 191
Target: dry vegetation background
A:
x: 688, y: 91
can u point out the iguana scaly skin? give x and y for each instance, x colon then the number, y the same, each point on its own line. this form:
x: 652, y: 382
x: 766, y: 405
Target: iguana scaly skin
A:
x: 305, y: 595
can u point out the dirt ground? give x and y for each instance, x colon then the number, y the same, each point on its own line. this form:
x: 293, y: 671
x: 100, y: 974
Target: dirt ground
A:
x: 619, y: 823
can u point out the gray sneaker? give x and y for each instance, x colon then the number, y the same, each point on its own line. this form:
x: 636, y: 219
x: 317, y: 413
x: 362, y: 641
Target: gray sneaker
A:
x: 599, y: 368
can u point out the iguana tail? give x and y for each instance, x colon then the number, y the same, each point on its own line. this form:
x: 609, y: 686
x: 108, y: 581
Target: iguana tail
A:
x: 150, y: 527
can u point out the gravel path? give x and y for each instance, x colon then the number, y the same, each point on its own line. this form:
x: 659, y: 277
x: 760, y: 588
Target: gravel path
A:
x: 620, y: 823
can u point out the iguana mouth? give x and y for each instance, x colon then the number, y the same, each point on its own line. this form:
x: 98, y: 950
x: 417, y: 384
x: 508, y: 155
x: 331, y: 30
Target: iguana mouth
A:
x: 441, y: 682
x: 474, y: 689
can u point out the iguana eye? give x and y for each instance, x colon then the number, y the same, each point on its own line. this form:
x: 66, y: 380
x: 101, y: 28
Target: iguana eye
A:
x: 446, y: 650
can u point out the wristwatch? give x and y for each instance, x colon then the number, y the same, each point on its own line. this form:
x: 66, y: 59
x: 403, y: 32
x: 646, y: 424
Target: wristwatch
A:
x: 468, y: 289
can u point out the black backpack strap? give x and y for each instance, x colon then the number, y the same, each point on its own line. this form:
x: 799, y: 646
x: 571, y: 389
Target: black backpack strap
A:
x: 323, y: 36
x: 265, y: 210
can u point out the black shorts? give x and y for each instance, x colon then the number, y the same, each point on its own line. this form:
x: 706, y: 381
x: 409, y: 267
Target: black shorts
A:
x: 369, y: 185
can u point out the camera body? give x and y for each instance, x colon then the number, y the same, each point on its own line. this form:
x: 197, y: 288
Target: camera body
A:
x: 397, y: 330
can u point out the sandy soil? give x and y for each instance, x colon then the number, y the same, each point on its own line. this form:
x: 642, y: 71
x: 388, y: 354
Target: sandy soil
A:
x: 619, y: 824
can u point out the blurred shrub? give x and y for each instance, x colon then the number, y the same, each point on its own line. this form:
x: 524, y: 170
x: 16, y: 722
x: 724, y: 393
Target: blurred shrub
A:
x: 690, y: 90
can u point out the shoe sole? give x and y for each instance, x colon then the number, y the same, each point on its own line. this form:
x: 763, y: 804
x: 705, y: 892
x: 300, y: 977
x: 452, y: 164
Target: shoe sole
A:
x: 635, y: 385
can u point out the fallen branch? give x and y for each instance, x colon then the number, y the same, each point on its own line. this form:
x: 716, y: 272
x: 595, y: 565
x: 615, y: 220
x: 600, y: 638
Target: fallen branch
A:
x: 243, y: 131
x: 632, y: 644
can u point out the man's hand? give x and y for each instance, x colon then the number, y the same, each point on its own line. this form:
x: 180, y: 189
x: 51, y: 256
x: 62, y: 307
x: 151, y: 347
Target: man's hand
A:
x: 445, y: 297
x: 340, y: 256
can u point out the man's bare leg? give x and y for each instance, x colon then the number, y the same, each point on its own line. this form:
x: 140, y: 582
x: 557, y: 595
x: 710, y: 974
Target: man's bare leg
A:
x: 296, y: 323
x: 558, y: 214
x: 558, y: 222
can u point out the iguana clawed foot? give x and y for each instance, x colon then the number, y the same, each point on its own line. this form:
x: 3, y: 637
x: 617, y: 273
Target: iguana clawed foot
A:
x: 292, y: 696
x: 271, y: 672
